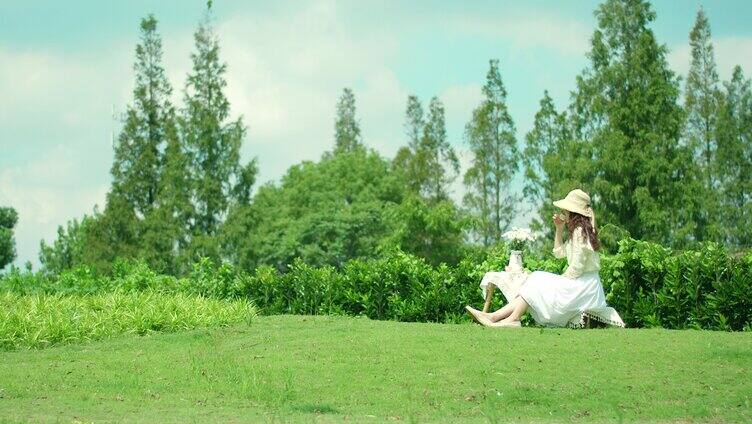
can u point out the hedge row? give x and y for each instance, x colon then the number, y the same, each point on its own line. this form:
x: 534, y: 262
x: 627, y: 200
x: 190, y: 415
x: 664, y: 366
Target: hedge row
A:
x: 649, y: 285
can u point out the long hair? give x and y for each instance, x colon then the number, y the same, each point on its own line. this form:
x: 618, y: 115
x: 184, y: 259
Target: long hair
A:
x: 590, y: 233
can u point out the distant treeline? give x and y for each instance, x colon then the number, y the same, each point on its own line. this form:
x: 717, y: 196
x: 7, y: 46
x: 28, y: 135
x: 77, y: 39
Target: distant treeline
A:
x: 663, y: 165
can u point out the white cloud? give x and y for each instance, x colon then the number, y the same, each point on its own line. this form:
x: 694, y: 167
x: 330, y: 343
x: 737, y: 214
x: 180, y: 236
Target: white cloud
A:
x: 729, y: 52
x: 382, y: 104
x: 562, y: 35
x: 286, y: 72
x: 46, y: 193
x: 55, y: 136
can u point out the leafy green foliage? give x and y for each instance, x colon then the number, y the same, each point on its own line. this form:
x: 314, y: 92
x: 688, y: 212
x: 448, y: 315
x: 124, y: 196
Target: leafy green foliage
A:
x: 66, y: 251
x: 553, y: 162
x: 175, y: 178
x: 651, y: 286
x: 8, y: 220
x: 324, y: 212
x: 149, y: 121
x: 428, y: 163
x: 435, y: 232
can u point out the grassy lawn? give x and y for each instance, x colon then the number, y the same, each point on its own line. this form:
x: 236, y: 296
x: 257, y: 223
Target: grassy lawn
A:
x: 332, y: 369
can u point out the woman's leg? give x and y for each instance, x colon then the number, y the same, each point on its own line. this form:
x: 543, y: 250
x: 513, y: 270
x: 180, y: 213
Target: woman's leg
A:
x: 519, y: 308
x: 507, y: 309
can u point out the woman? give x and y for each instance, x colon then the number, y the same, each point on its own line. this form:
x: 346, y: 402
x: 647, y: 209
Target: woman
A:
x: 562, y: 300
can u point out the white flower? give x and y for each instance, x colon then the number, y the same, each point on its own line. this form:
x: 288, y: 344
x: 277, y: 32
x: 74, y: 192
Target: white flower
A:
x: 523, y: 234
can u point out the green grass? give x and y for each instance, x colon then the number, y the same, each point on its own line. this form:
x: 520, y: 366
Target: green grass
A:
x: 333, y: 369
x: 43, y: 320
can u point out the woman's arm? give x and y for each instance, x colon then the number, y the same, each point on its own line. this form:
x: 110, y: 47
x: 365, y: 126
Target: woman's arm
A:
x: 559, y: 251
x: 576, y: 261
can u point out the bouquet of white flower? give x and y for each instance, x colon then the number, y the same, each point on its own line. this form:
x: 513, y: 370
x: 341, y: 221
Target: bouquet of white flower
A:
x: 518, y: 237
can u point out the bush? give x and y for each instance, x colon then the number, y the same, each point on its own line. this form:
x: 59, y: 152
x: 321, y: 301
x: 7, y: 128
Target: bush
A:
x: 648, y: 284
x: 651, y: 286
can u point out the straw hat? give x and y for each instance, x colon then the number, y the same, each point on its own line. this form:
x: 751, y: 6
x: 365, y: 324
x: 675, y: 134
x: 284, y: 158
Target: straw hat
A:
x: 579, y: 202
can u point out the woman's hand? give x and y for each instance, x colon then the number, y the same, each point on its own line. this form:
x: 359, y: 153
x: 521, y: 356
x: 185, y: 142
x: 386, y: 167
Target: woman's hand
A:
x: 559, y: 221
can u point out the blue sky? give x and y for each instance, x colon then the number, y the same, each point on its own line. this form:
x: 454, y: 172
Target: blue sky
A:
x: 66, y: 69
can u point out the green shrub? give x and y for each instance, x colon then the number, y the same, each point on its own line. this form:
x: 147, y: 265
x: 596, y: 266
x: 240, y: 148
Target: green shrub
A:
x: 650, y: 286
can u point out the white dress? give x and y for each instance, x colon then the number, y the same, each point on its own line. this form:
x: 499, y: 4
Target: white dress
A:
x: 565, y: 300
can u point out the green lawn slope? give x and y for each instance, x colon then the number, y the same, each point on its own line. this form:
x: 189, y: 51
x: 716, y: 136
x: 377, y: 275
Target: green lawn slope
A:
x: 341, y: 369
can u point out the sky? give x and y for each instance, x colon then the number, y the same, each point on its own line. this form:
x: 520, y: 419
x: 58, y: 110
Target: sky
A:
x: 66, y: 78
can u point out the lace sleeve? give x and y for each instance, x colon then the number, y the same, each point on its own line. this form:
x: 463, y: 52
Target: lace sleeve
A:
x: 560, y: 251
x: 576, y: 259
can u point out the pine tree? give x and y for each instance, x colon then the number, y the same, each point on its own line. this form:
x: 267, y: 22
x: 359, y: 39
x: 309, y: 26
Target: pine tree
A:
x: 8, y: 220
x: 734, y: 159
x: 702, y: 101
x: 428, y: 162
x: 548, y: 162
x: 491, y: 137
x: 135, y: 169
x: 112, y: 234
x: 441, y: 162
x: 405, y: 160
x: 167, y: 227
x: 212, y: 141
x: 414, y: 122
x: 346, y: 128
x: 625, y: 112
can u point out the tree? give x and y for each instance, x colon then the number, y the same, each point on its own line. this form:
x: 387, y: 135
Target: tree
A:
x: 165, y: 230
x: 213, y: 144
x: 8, y: 220
x: 625, y: 110
x: 549, y: 160
x: 67, y: 251
x: 734, y: 159
x: 428, y: 162
x: 427, y: 223
x: 432, y: 231
x: 491, y: 137
x: 137, y: 163
x: 112, y: 234
x: 442, y: 164
x: 150, y: 169
x: 702, y: 102
x: 325, y: 212
x: 136, y: 167
x: 94, y: 241
x: 406, y: 160
x: 346, y: 128
x: 148, y: 209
